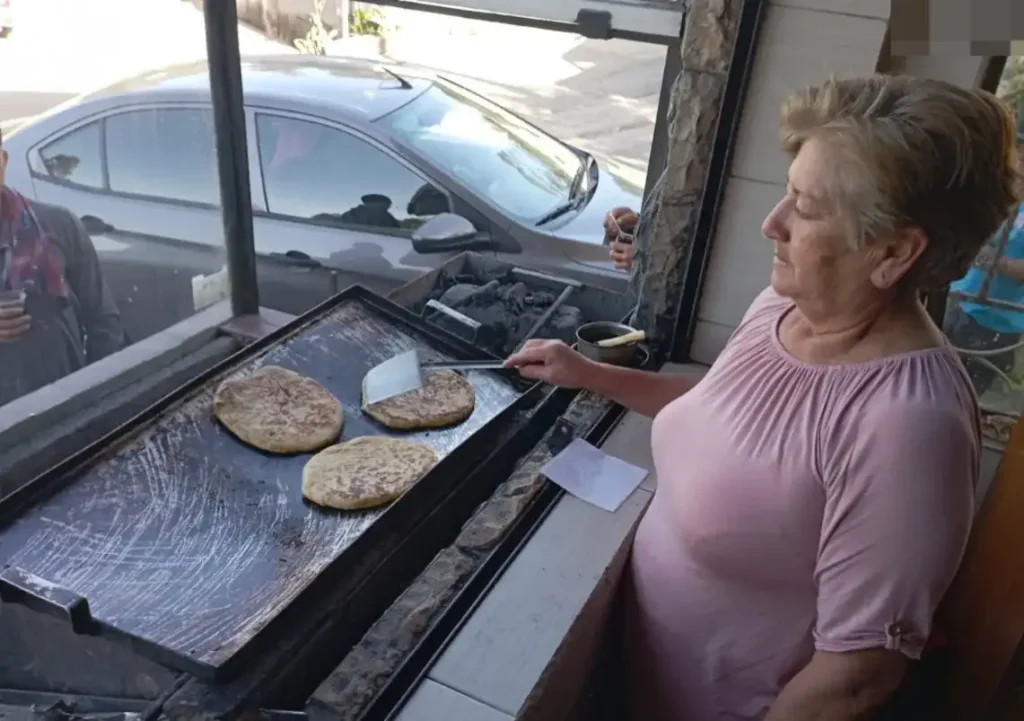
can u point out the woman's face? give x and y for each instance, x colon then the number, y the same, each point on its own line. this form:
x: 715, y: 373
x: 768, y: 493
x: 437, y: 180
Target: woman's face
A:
x: 814, y: 259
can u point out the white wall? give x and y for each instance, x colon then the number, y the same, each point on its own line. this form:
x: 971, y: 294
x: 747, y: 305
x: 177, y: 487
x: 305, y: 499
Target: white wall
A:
x: 801, y: 42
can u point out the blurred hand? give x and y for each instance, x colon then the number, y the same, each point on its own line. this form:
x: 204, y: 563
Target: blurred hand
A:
x: 622, y: 255
x: 618, y: 221
x: 551, y: 361
x: 14, y: 322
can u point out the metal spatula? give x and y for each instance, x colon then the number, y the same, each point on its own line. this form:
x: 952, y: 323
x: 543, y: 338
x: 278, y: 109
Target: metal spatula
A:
x: 404, y: 373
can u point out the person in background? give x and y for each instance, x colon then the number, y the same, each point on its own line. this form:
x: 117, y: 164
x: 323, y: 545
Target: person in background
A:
x: 816, y: 487
x: 979, y: 327
x: 65, y: 317
x: 619, y: 228
x: 626, y: 231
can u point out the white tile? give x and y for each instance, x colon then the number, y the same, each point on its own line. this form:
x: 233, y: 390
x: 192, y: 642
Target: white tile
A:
x: 500, y: 654
x: 879, y: 9
x: 434, y: 702
x: 797, y: 47
x: 741, y: 257
x: 708, y: 341
x: 957, y: 68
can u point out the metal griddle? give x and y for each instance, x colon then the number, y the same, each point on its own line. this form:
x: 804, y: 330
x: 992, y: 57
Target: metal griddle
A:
x: 173, y: 536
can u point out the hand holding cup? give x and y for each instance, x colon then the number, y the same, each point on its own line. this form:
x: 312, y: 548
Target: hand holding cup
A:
x: 14, y: 321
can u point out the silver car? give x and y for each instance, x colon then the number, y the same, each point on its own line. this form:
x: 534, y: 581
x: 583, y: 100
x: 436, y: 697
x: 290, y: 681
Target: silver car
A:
x: 347, y: 158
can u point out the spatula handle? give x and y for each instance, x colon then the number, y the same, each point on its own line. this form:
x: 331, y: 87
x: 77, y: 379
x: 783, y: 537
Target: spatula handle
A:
x: 463, y: 365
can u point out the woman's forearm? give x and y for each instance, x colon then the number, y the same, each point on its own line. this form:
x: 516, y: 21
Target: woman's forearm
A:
x: 641, y: 391
x: 840, y: 687
x: 1013, y: 268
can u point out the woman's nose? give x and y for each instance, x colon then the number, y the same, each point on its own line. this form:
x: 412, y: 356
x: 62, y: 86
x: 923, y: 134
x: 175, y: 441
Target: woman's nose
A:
x: 773, y: 227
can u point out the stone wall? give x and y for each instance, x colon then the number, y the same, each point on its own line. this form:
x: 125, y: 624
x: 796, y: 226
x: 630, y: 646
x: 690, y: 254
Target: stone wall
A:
x: 709, y: 40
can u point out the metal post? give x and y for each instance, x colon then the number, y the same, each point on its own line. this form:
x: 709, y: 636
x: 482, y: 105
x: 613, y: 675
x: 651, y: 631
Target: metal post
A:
x: 232, y: 155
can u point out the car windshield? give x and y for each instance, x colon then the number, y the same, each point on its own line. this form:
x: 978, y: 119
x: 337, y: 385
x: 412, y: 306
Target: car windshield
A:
x: 512, y: 164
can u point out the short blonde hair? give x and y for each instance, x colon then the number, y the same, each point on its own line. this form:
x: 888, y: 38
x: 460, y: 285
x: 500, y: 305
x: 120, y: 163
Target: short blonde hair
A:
x: 914, y: 153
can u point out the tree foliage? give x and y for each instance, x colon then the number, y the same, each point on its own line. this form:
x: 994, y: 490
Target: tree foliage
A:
x: 318, y: 37
x: 1011, y: 88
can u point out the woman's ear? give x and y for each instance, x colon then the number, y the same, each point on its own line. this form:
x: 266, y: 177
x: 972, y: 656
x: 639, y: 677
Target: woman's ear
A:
x: 896, y: 255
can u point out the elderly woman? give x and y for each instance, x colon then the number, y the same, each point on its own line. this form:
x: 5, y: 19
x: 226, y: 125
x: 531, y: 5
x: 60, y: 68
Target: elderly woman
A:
x: 815, y: 487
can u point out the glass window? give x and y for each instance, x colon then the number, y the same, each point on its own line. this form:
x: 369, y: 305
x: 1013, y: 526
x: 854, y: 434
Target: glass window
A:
x: 313, y: 171
x: 512, y: 164
x: 164, y: 153
x: 984, y: 316
x: 76, y: 157
x: 108, y: 269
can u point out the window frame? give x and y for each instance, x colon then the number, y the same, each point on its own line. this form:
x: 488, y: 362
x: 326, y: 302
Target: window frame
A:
x: 39, y: 173
x: 263, y: 199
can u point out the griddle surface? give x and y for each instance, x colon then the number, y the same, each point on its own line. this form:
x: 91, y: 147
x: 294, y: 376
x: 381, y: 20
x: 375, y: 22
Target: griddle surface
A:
x: 185, y: 537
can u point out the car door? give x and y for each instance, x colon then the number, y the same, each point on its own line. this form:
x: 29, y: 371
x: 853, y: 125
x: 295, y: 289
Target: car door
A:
x: 332, y: 195
x: 144, y: 181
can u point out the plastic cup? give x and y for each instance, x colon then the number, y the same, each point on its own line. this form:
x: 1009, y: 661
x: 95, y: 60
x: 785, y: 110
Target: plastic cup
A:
x: 12, y: 299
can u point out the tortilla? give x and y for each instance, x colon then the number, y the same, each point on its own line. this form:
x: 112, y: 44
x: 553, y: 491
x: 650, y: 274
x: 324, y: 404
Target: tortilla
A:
x: 446, y: 398
x: 279, y: 411
x: 365, y: 472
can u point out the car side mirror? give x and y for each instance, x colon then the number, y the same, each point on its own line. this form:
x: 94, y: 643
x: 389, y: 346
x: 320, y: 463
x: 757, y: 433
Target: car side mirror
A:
x: 449, y: 232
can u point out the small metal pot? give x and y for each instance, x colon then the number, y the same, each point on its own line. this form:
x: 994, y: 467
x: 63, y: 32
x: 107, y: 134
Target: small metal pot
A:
x: 588, y: 335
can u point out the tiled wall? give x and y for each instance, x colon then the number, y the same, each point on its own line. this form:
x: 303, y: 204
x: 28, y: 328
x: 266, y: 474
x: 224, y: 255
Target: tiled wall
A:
x: 802, y: 41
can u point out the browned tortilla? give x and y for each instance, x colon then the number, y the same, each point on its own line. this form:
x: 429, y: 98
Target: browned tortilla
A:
x: 446, y: 398
x: 365, y: 472
x: 279, y: 411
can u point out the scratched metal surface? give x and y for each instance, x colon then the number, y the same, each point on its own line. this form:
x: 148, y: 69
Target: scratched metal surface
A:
x: 182, y: 535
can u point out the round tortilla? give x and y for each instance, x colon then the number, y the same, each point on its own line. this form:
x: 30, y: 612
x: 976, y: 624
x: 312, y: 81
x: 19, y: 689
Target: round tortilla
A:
x: 279, y: 411
x: 445, y: 398
x: 365, y: 472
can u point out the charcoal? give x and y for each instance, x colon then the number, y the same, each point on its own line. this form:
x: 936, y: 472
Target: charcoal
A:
x: 456, y: 294
x: 506, y: 309
x: 563, y: 323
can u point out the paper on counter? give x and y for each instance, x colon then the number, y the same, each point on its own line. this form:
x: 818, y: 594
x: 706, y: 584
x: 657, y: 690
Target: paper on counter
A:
x: 593, y: 476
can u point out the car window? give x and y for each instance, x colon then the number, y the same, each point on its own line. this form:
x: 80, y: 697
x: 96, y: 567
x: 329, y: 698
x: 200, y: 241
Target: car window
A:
x: 313, y: 171
x: 512, y: 164
x: 163, y: 153
x: 76, y: 157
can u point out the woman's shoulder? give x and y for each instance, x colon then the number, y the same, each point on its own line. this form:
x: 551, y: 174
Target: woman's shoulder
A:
x: 917, y: 402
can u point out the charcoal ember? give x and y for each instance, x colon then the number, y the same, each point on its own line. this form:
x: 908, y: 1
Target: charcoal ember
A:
x: 494, y: 322
x: 513, y: 298
x: 456, y: 294
x: 506, y: 309
x: 563, y: 323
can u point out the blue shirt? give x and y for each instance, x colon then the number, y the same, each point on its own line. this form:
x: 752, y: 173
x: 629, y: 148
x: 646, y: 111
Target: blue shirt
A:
x: 997, y: 320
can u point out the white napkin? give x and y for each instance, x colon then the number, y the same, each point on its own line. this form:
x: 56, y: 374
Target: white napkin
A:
x: 593, y: 476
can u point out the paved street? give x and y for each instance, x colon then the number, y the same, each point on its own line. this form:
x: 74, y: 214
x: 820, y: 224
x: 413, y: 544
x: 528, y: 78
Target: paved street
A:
x: 64, y: 47
x: 600, y: 95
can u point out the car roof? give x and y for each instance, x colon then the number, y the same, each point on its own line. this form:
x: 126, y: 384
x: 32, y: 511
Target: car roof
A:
x: 360, y: 89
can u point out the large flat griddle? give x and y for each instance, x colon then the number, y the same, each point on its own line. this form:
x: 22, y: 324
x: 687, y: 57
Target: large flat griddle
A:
x: 182, y: 541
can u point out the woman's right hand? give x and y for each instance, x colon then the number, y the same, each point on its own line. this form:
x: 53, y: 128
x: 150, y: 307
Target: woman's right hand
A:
x: 551, y: 361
